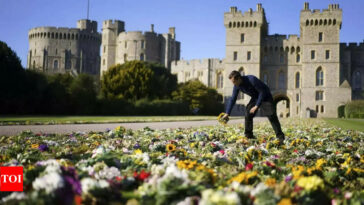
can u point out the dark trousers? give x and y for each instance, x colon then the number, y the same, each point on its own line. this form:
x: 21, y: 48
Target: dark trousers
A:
x: 270, y: 109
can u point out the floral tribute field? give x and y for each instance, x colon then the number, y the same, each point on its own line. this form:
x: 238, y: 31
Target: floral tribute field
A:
x: 319, y: 164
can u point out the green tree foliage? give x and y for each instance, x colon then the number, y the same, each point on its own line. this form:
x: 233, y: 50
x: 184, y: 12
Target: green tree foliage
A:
x: 199, y: 97
x: 83, y: 94
x: 355, y: 109
x: 135, y: 80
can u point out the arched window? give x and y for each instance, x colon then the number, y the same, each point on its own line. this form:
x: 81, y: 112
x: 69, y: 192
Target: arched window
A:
x: 292, y: 49
x: 334, y: 22
x: 229, y: 24
x: 281, y: 80
x: 33, y: 64
x: 320, y: 22
x: 319, y: 77
x: 325, y: 22
x: 357, y: 80
x: 60, y: 36
x: 297, y: 84
x: 234, y: 24
x: 307, y: 22
x: 251, y: 24
x: 311, y: 23
x: 73, y: 36
x: 242, y: 24
x: 142, y: 57
x: 220, y: 80
x: 238, y: 24
x: 55, y: 64
x: 255, y: 24
x: 329, y: 21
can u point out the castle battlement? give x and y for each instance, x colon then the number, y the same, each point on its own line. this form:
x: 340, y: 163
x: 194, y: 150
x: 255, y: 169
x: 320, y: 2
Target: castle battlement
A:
x: 196, y: 63
x: 352, y: 45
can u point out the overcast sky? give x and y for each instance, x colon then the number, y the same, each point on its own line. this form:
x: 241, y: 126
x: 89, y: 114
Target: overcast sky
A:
x: 199, y: 23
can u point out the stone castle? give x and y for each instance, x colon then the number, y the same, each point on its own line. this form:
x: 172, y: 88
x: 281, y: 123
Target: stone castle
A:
x: 309, y: 75
x: 61, y: 50
x: 77, y: 50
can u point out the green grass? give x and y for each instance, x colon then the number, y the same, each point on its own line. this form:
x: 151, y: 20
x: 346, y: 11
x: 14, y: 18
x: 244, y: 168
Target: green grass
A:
x: 39, y: 120
x: 349, y: 124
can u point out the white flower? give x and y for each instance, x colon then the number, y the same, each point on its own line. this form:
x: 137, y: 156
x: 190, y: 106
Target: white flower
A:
x: 15, y: 196
x: 49, y: 182
x: 89, y: 184
x: 108, y: 173
x: 261, y: 187
x: 210, y: 196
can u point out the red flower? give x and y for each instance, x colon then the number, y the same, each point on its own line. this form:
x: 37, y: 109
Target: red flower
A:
x: 78, y: 199
x: 295, y: 151
x: 141, y: 176
x: 222, y: 151
x: 269, y: 164
x: 248, y: 167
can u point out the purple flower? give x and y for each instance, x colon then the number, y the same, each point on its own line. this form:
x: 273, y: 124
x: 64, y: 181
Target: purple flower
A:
x: 43, y: 147
x: 288, y: 178
x: 336, y: 190
x: 136, y: 146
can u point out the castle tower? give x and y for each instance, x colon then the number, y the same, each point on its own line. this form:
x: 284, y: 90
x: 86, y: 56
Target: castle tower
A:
x: 110, y: 31
x: 320, y: 33
x: 244, y: 35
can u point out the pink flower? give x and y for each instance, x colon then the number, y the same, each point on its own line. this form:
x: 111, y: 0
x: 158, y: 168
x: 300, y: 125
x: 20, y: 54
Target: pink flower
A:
x: 222, y: 151
x: 248, y: 167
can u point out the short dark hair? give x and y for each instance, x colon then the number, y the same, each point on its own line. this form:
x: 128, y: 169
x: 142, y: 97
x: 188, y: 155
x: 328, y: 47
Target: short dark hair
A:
x: 234, y: 74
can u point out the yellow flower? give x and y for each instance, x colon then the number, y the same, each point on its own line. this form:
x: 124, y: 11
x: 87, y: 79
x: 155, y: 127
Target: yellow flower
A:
x: 310, y: 183
x: 285, y: 201
x: 138, y: 151
x: 170, y: 147
x: 319, y: 163
x: 297, y: 171
x: 186, y: 164
x: 270, y: 182
x: 243, y: 177
x: 35, y: 146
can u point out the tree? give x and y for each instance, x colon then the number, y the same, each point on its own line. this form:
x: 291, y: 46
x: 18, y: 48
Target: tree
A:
x: 83, y: 94
x: 200, y: 98
x: 135, y: 80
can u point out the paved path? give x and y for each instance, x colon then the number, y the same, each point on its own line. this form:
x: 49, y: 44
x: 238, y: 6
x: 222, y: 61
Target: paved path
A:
x: 62, y: 129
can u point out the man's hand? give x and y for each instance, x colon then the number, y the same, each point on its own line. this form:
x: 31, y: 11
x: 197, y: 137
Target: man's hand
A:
x: 252, y: 111
x: 225, y: 116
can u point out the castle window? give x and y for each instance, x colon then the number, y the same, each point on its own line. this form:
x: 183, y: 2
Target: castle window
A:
x: 242, y: 38
x: 235, y: 56
x: 125, y: 57
x: 251, y: 24
x: 69, y: 36
x: 322, y: 108
x: 298, y: 49
x: 242, y: 73
x: 35, y: 51
x: 60, y: 36
x: 297, y: 110
x: 76, y: 36
x: 312, y: 54
x: 287, y: 49
x: 320, y: 22
x: 265, y: 78
x: 316, y: 22
x: 55, y: 64
x: 307, y: 22
x: 56, y: 51
x: 317, y: 108
x: 33, y: 64
x: 104, y: 49
x: 329, y: 21
x: 319, y: 77
x: 142, y: 44
x: 238, y: 24
x: 103, y: 62
x: 297, y: 80
x: 320, y: 37
x: 52, y: 35
x: 255, y: 24
x: 357, y: 80
x: 292, y: 49
x: 265, y: 58
x: 325, y: 22
x: 311, y: 22
x: 327, y: 54
x: 319, y: 95
x: 281, y: 58
x: 220, y: 80
x: 234, y: 24
x: 334, y: 22
x: 246, y: 24
x: 229, y: 24
x: 126, y: 44
x: 242, y: 24
x: 48, y: 35
x: 64, y: 36
x: 73, y: 36
x: 298, y: 58
x: 281, y: 81
x: 248, y: 57
x: 142, y: 57
x: 297, y: 97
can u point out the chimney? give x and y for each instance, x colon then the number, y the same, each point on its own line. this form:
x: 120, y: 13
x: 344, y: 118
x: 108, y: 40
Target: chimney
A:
x: 172, y: 31
x: 152, y: 28
x: 259, y: 7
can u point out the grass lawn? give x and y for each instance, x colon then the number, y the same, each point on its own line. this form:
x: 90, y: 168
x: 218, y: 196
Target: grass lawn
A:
x: 350, y: 124
x: 32, y: 120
